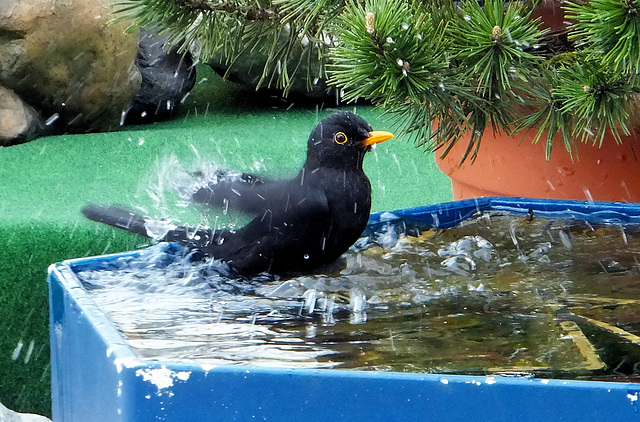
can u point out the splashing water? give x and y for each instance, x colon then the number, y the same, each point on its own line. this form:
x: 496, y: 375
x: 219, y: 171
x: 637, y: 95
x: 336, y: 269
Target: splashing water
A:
x: 171, y: 187
x: 460, y: 300
x: 158, y: 228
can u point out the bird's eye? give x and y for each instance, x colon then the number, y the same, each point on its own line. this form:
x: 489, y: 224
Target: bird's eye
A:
x: 340, y: 138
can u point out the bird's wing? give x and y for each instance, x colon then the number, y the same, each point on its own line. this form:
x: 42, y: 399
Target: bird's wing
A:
x: 277, y: 238
x: 242, y: 192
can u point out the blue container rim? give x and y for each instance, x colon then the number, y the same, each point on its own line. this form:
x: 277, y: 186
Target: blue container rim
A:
x: 457, y: 211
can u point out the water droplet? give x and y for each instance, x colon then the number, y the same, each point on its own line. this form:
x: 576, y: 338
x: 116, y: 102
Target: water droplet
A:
x: 587, y: 193
x: 566, y: 240
x: 52, y: 119
x: 624, y: 235
x: 17, y: 350
x: 512, y: 232
x: 29, y: 353
x: 357, y: 303
x: 158, y: 229
x: 310, y: 298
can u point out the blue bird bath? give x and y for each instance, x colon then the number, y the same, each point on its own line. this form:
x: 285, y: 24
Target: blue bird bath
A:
x: 97, y: 376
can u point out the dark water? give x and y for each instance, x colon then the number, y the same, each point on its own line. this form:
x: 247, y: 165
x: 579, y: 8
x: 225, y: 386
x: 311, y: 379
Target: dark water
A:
x: 498, y: 294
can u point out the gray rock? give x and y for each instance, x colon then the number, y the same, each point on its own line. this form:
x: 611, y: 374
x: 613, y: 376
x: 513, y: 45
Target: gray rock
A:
x: 7, y: 415
x: 19, y: 122
x: 65, y: 60
x: 167, y: 78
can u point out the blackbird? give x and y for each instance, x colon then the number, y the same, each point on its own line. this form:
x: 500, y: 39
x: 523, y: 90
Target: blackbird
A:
x: 299, y: 224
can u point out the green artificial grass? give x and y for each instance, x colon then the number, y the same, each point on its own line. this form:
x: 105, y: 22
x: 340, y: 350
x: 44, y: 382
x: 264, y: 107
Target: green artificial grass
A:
x: 46, y: 182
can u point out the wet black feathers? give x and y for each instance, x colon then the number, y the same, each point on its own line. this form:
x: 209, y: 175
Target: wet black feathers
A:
x: 117, y: 217
x: 300, y: 223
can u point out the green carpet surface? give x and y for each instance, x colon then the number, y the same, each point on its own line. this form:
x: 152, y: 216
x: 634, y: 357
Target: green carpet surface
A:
x: 45, y: 183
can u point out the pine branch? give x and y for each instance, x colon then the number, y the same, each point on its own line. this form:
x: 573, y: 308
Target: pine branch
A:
x: 547, y: 117
x: 610, y: 31
x: 491, y: 42
x: 312, y: 16
x: 188, y: 23
x: 394, y: 54
x: 290, y: 35
x: 599, y: 99
x: 460, y: 70
x: 249, y: 12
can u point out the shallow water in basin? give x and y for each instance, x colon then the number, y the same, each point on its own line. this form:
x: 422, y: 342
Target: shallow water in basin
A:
x: 498, y: 294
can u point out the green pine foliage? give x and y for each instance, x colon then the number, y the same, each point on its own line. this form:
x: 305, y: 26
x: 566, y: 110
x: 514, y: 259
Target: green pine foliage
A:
x: 546, y: 114
x: 288, y: 34
x: 491, y: 43
x: 447, y: 71
x: 610, y: 31
x: 396, y: 55
x: 493, y: 49
x: 598, y: 97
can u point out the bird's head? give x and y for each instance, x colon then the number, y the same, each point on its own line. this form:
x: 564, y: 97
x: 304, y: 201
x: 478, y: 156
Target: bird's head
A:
x: 341, y: 140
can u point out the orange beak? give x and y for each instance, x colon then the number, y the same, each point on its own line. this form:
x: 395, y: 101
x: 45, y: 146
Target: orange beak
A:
x: 377, y: 136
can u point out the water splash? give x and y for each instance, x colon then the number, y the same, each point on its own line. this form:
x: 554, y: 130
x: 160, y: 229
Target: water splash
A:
x: 158, y: 228
x: 396, y: 305
x: 587, y: 194
x: 565, y: 239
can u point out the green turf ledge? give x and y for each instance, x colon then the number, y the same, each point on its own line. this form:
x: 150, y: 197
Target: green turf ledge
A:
x: 45, y: 183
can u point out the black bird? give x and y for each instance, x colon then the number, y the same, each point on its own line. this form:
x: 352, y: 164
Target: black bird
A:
x: 300, y: 223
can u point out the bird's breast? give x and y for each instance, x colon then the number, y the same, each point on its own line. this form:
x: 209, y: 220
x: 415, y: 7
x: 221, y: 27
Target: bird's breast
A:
x: 349, y: 202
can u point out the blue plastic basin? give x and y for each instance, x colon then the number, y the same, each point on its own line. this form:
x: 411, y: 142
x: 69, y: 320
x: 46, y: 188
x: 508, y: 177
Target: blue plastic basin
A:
x: 97, y: 377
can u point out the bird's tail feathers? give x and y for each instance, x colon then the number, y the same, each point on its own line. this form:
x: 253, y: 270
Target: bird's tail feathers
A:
x: 160, y: 230
x: 117, y: 217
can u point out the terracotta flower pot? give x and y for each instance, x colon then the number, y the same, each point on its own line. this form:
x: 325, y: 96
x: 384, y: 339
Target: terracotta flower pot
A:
x: 506, y: 167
